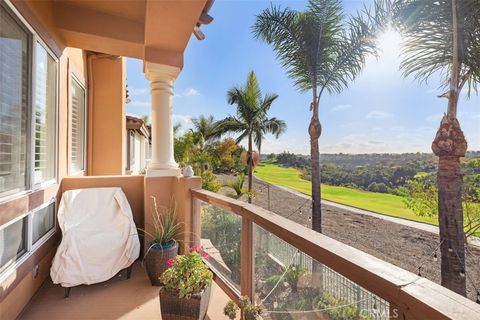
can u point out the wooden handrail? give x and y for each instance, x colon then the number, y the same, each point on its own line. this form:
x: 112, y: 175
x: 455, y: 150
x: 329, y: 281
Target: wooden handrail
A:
x: 412, y: 296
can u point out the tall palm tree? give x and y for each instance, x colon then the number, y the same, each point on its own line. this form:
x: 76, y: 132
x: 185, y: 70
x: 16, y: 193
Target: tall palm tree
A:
x: 441, y: 37
x: 321, y: 53
x: 251, y: 121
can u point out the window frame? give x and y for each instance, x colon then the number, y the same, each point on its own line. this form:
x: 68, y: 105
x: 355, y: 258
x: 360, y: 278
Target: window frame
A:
x: 31, y: 186
x: 74, y: 78
x: 45, y: 183
x: 13, y: 193
x: 33, y: 39
x: 30, y: 247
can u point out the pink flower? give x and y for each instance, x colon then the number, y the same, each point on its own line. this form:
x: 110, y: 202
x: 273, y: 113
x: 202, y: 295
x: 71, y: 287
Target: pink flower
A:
x: 170, y: 262
x: 205, y: 255
x: 197, y: 248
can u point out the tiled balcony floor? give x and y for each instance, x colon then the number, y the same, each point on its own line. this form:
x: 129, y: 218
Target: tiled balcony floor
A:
x: 118, y: 298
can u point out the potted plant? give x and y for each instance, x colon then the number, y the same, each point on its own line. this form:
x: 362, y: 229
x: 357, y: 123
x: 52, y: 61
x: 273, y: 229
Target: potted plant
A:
x: 186, y: 287
x: 164, y: 244
x: 249, y: 310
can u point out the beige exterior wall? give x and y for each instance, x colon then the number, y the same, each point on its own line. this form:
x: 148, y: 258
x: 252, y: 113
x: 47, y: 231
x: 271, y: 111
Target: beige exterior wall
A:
x: 107, y: 124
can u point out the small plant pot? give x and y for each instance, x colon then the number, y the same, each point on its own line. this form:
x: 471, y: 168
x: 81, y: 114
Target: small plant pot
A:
x: 156, y: 260
x: 174, y: 308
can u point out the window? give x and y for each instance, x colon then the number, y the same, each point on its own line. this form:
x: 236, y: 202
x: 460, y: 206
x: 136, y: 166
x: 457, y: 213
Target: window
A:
x: 27, y: 113
x: 78, y: 128
x: 14, y: 70
x: 28, y: 103
x: 13, y: 242
x: 45, y: 115
x: 16, y: 241
x: 132, y: 149
x: 43, y: 221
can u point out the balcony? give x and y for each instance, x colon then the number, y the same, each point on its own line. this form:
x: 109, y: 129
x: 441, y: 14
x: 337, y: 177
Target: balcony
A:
x: 118, y: 298
x: 292, y: 271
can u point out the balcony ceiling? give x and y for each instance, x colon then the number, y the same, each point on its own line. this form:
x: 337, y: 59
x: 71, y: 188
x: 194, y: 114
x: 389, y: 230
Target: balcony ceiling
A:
x: 156, y: 31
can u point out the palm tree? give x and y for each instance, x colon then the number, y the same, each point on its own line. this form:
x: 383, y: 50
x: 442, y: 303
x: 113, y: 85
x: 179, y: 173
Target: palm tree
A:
x: 204, y: 128
x: 441, y: 37
x: 321, y: 53
x: 251, y: 121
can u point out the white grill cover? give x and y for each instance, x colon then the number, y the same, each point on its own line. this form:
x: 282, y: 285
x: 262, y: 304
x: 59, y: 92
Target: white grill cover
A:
x: 99, y: 236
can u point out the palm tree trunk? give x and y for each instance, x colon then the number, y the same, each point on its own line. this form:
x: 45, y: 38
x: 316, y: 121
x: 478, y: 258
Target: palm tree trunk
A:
x: 315, y: 130
x: 450, y: 145
x: 250, y: 167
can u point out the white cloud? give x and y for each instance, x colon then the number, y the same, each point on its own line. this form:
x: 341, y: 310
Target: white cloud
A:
x: 184, y: 120
x: 476, y: 116
x: 375, y: 142
x: 379, y: 115
x: 341, y: 107
x: 191, y: 92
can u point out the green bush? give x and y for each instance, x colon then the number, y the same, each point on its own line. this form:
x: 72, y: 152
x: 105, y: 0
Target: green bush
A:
x: 210, y: 182
x: 338, y: 309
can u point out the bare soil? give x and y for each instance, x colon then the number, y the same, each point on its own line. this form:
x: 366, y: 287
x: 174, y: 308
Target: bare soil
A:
x: 405, y: 247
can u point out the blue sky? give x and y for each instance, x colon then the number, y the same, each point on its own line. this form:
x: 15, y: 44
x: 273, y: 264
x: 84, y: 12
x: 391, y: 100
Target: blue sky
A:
x: 380, y: 112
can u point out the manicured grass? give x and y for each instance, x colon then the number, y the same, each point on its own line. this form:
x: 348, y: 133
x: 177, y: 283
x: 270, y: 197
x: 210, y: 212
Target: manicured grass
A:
x: 387, y: 204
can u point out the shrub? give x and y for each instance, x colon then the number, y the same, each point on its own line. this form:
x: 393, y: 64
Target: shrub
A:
x: 210, y: 182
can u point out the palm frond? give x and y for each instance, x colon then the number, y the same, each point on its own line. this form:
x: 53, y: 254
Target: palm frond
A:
x: 427, y: 32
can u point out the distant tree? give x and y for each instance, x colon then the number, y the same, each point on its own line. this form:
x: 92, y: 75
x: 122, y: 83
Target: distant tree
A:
x: 204, y: 129
x: 421, y: 196
x: 322, y: 53
x: 226, y: 153
x: 251, y: 121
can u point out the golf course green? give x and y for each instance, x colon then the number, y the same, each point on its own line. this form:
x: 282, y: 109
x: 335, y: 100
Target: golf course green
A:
x: 383, y: 203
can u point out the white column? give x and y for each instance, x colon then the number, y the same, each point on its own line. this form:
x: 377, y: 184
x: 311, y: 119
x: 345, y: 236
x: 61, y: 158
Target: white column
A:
x: 162, y: 77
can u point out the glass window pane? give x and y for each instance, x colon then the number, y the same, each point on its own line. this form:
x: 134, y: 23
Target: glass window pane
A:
x: 13, y: 104
x: 45, y: 105
x: 13, y: 242
x: 220, y: 237
x: 78, y: 128
x: 43, y: 221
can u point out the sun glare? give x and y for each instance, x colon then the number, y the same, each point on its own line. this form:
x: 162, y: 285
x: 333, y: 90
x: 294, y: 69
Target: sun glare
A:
x: 389, y: 43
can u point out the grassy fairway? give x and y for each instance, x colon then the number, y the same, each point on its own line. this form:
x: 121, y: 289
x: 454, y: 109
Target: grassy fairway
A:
x: 378, y: 202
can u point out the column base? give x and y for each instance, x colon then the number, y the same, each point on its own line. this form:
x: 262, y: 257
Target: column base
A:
x: 167, y: 172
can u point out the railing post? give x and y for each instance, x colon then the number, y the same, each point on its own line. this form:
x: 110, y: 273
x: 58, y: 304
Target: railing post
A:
x: 246, y: 258
x: 196, y: 223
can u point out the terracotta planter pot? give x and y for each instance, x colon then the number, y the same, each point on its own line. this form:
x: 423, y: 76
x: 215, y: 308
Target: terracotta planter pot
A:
x: 156, y: 261
x: 175, y: 308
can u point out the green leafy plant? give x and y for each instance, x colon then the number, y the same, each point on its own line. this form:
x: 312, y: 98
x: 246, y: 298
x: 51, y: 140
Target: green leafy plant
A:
x: 249, y: 310
x: 236, y: 185
x: 166, y: 228
x: 187, y: 274
x: 338, y: 309
x: 210, y: 182
x: 292, y: 275
x: 231, y: 310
